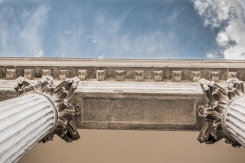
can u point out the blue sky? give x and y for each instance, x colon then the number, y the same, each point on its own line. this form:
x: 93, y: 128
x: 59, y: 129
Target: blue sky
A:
x: 144, y: 29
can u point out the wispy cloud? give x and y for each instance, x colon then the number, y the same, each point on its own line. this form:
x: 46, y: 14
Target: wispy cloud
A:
x: 106, y: 37
x: 36, y: 29
x: 229, y: 15
x: 20, y: 30
x: 110, y: 40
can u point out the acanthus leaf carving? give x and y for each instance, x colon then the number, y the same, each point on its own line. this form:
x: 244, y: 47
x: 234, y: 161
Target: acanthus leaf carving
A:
x: 61, y: 96
x: 218, y: 100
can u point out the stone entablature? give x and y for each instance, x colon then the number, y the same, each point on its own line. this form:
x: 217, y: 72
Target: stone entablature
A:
x: 131, y: 105
x: 122, y: 70
x: 128, y: 94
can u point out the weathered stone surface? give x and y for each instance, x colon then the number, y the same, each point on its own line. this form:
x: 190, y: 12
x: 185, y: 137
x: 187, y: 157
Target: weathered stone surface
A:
x: 82, y: 74
x: 46, y: 72
x: 136, y: 110
x: 215, y: 76
x: 158, y: 75
x: 63, y: 74
x: 11, y: 74
x: 139, y: 75
x: 120, y: 75
x: 130, y: 105
x: 152, y: 69
x: 29, y: 73
x: 177, y: 76
x: 232, y: 74
x: 101, y: 75
x: 195, y: 76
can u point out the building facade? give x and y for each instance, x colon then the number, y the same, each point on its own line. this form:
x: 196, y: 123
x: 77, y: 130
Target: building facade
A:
x: 130, y: 94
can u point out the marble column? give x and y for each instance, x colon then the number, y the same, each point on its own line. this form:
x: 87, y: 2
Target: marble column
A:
x: 224, y: 114
x: 234, y: 120
x: 35, y: 116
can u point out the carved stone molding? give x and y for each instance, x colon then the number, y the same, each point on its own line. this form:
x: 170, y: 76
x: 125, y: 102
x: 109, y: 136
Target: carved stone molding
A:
x: 215, y: 76
x: 158, y: 75
x: 232, y: 75
x: 120, y: 75
x: 61, y: 96
x: 112, y: 70
x: 11, y: 74
x: 139, y: 75
x: 82, y: 74
x: 177, y: 76
x: 63, y: 74
x: 29, y: 73
x: 101, y: 75
x: 46, y: 72
x: 217, y: 121
x: 195, y: 76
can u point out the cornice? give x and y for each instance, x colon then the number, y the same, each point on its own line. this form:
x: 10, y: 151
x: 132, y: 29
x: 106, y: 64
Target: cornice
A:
x: 190, y: 71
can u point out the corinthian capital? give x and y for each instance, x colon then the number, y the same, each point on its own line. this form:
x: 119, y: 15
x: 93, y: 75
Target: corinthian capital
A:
x: 60, y: 96
x: 221, y: 115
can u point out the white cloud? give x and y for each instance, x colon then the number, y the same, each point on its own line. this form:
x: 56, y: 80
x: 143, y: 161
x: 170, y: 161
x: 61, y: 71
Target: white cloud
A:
x: 214, y: 11
x: 172, y: 18
x: 113, y: 42
x: 39, y: 54
x: 20, y: 30
x: 70, y: 44
x: 211, y: 56
x: 108, y: 38
x: 220, y: 13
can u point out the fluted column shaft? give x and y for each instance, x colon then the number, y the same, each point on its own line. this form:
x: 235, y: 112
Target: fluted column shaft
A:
x: 24, y: 121
x: 233, y: 120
